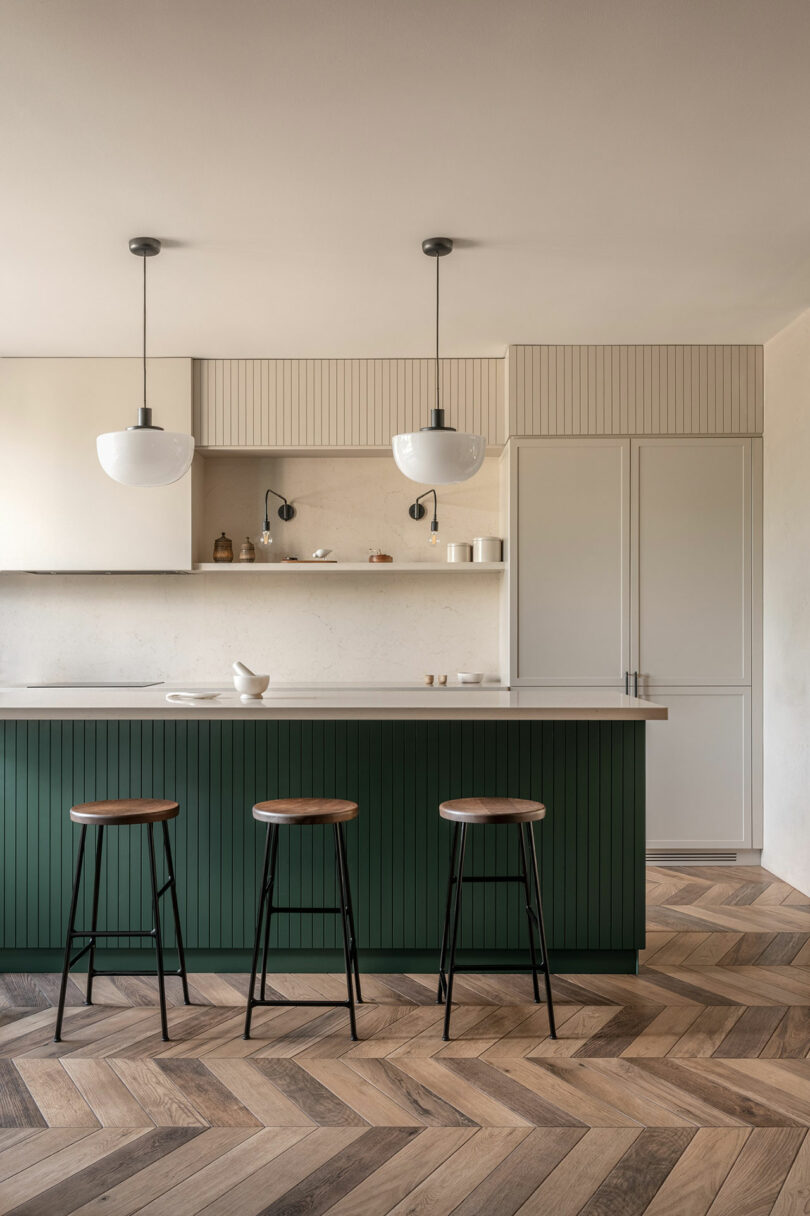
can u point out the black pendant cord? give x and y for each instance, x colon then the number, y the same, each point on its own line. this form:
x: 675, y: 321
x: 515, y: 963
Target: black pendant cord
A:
x: 437, y: 333
x: 144, y: 333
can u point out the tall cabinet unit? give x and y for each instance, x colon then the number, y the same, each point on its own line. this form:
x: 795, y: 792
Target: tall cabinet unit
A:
x: 637, y: 564
x: 692, y: 563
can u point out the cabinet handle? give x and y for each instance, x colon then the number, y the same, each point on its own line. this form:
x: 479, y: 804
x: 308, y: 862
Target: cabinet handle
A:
x: 635, y: 683
x: 627, y: 683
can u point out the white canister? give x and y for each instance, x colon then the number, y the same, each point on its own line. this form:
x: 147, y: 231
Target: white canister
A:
x: 487, y: 549
x: 459, y: 551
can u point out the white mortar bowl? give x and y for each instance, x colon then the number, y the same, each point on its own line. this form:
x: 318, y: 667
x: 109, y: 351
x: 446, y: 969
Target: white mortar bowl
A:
x: 251, y: 687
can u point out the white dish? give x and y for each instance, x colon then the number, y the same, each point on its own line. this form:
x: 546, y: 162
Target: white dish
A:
x: 470, y: 677
x: 186, y: 698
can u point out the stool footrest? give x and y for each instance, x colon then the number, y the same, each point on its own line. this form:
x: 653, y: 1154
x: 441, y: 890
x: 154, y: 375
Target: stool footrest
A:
x: 153, y: 973
x: 112, y: 933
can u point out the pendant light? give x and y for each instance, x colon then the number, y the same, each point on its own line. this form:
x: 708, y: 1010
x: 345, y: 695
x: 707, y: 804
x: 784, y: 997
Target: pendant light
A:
x: 438, y: 454
x: 145, y: 454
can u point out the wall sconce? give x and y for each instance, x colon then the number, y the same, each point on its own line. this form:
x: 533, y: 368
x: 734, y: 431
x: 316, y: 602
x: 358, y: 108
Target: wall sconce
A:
x: 286, y: 512
x: 417, y: 511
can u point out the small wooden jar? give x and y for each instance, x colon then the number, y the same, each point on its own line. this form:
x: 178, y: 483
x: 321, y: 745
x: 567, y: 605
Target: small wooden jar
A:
x: 247, y: 552
x: 223, y: 549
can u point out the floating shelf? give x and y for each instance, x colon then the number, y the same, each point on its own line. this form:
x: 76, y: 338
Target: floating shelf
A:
x: 375, y: 569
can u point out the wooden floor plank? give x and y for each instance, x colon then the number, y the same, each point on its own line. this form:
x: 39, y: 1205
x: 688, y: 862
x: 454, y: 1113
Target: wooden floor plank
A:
x: 634, y: 1180
x: 692, y: 1184
x: 450, y: 1184
x: 393, y: 1181
x: 572, y: 1183
x: 166, y: 1171
x: 340, y: 1174
x: 59, y: 1101
x: 757, y: 1176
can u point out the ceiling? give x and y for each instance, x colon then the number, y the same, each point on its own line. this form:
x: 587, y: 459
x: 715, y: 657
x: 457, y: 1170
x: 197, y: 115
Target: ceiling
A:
x: 613, y: 170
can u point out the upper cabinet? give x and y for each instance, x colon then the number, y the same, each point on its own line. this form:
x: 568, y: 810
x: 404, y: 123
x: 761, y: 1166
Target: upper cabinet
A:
x: 691, y: 567
x: 340, y: 403
x: 635, y: 390
x: 59, y: 509
x: 570, y: 533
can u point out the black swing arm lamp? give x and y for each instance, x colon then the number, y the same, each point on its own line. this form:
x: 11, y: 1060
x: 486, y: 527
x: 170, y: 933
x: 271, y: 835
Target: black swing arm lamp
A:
x: 417, y: 511
x: 286, y: 512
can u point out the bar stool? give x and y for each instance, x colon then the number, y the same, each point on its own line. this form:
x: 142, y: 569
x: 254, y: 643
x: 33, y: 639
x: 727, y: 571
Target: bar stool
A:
x: 125, y: 812
x: 522, y: 813
x: 283, y: 812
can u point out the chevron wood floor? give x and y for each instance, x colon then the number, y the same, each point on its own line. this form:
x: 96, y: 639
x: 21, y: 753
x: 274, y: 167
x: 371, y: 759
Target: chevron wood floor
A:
x: 682, y: 1091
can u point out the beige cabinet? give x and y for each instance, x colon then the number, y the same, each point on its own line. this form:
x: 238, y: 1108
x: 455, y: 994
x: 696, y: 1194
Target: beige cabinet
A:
x: 570, y: 534
x: 59, y: 510
x: 691, y: 561
x: 699, y: 789
x: 642, y: 555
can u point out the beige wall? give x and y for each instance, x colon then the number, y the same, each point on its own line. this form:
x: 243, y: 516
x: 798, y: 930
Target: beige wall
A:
x: 787, y: 604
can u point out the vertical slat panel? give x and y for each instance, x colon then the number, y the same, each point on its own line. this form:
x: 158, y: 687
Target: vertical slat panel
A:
x: 635, y: 390
x: 344, y: 402
x: 590, y: 847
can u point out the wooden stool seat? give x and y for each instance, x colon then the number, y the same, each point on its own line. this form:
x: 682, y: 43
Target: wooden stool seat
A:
x: 305, y: 810
x: 124, y: 811
x: 492, y: 810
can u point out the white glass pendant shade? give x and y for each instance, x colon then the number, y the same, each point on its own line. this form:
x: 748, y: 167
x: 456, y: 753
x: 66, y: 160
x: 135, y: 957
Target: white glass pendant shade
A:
x: 438, y: 454
x: 145, y: 456
x: 438, y: 457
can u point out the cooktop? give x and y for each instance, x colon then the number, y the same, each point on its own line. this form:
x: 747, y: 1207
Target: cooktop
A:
x: 97, y: 684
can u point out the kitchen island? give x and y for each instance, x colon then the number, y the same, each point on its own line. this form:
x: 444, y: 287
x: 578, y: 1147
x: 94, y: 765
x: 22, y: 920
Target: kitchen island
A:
x: 397, y: 753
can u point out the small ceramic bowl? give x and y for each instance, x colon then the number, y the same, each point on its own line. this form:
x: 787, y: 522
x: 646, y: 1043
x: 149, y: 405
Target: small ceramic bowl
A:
x: 470, y: 677
x: 251, y: 687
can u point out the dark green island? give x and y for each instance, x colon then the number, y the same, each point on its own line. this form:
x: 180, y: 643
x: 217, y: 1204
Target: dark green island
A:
x: 398, y: 754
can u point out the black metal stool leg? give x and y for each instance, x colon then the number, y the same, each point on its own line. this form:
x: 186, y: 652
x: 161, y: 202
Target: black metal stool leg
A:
x: 445, y: 931
x: 88, y: 1000
x: 350, y: 911
x: 257, y: 940
x: 448, y: 1004
x: 542, y: 932
x: 74, y: 900
x: 344, y: 920
x: 270, y: 890
x: 176, y: 911
x: 524, y: 869
x: 164, y: 1025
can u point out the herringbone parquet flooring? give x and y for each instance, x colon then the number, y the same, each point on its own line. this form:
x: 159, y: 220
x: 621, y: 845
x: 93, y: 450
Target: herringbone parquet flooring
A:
x: 682, y: 1091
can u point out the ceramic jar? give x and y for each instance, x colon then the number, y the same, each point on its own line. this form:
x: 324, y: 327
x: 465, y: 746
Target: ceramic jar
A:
x: 487, y: 549
x: 247, y: 551
x: 223, y: 549
x: 459, y: 551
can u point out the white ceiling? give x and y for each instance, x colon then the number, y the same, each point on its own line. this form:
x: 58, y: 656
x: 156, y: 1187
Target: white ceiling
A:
x: 617, y: 171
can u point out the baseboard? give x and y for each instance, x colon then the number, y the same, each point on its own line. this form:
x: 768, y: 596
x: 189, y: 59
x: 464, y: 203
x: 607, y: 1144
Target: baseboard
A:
x: 583, y: 962
x: 704, y: 857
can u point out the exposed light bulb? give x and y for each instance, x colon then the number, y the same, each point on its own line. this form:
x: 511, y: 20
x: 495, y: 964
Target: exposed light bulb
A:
x: 266, y: 538
x: 433, y: 539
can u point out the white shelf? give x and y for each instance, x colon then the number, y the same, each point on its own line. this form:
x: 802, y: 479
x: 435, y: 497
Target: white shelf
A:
x: 375, y: 569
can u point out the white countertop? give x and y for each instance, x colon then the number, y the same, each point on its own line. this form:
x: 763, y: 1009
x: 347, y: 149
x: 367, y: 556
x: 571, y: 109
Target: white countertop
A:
x: 483, y: 703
